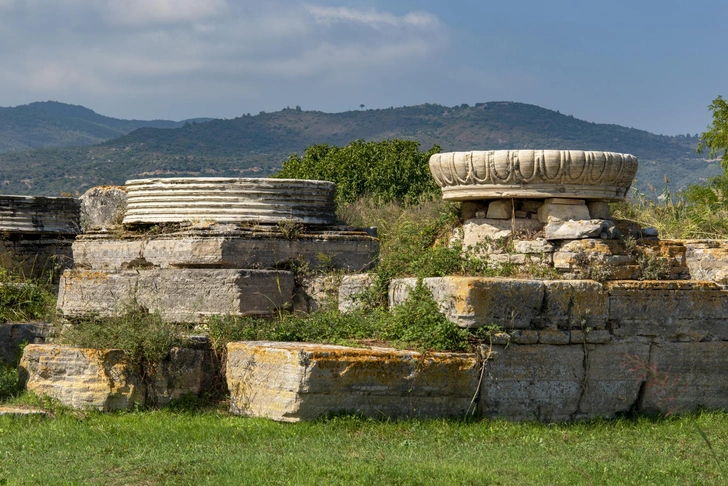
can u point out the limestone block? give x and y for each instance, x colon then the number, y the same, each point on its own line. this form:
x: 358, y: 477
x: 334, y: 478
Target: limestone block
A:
x: 38, y: 215
x: 182, y: 372
x: 103, y: 379
x: 477, y: 231
x: 668, y: 309
x: 685, y: 377
x: 707, y: 260
x: 179, y: 295
x: 553, y: 336
x: 575, y: 303
x: 599, y: 210
x: 290, y: 382
x: 533, y: 382
x: 352, y: 286
x: 573, y: 230
x: 590, y: 336
x: 523, y: 336
x: 316, y: 292
x: 103, y: 207
x: 12, y: 335
x: 476, y: 301
x: 233, y: 248
x: 533, y: 174
x: 611, y: 387
x: 557, y: 209
x: 500, y: 209
x: 580, y: 253
x: 229, y: 200
x: 82, y: 378
x: 539, y: 245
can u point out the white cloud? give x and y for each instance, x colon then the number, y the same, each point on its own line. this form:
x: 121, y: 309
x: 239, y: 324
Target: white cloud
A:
x: 163, y: 11
x: 371, y: 18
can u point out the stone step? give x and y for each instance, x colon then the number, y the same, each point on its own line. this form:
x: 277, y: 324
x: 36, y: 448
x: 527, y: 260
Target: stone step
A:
x: 179, y: 295
x: 40, y: 215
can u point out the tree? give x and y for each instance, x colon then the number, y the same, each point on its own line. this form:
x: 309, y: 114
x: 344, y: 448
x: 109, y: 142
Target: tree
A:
x: 716, y: 138
x: 390, y: 170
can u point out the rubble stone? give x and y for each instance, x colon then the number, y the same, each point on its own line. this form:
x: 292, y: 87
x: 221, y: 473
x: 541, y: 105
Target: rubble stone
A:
x: 558, y: 209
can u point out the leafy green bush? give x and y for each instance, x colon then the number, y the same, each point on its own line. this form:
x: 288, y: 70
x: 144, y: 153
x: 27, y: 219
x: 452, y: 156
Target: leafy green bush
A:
x: 391, y: 170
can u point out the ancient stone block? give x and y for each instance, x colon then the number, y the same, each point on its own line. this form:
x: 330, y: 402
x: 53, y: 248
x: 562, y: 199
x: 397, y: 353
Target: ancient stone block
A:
x: 707, y: 260
x: 575, y: 303
x: 686, y: 376
x: 557, y: 209
x: 554, y: 336
x: 316, y: 292
x: 477, y: 231
x: 668, y: 309
x: 539, y: 245
x: 598, y: 210
x: 35, y: 256
x: 500, y: 209
x: 573, y: 230
x: 220, y: 247
x: 103, y: 379
x: 523, y: 336
x: 82, y: 378
x: 533, y: 382
x: 350, y: 290
x: 12, y: 335
x: 291, y: 382
x: 476, y: 301
x: 39, y: 215
x: 470, y: 208
x: 179, y: 295
x: 103, y: 207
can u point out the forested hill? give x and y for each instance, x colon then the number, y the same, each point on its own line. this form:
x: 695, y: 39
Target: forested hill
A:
x: 257, y: 145
x: 53, y: 124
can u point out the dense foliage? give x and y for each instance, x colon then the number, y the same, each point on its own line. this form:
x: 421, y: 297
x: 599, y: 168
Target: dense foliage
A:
x: 392, y: 170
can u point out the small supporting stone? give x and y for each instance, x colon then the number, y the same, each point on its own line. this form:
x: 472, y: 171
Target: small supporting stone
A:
x: 500, y: 209
x: 558, y: 209
x: 573, y: 230
x: 599, y: 210
x: 478, y: 231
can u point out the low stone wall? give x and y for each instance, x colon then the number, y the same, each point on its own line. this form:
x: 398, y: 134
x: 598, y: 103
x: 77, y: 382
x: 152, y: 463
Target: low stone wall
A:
x: 102, y: 378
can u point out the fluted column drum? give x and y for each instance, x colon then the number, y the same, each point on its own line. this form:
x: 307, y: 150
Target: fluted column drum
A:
x: 533, y: 174
x: 229, y: 200
x: 40, y: 215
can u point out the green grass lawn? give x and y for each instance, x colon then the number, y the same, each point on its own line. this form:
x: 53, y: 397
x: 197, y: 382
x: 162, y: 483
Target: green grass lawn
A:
x: 212, y: 447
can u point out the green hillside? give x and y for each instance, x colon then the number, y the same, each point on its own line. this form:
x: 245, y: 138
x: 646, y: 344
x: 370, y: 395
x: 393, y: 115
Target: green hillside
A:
x: 53, y: 124
x: 257, y: 145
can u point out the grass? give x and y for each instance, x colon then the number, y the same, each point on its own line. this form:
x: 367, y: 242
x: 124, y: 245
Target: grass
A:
x: 25, y: 299
x: 166, y: 447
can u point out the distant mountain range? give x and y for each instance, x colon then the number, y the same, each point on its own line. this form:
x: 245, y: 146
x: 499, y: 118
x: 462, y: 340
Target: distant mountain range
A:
x: 91, y: 149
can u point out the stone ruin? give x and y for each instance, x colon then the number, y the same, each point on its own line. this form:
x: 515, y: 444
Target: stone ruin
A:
x: 564, y: 348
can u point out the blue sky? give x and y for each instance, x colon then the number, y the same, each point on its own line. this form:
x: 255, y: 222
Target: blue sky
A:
x: 644, y: 64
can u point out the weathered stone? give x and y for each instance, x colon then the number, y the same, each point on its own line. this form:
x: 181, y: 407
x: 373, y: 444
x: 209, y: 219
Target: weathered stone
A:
x: 533, y: 382
x: 684, y: 377
x: 500, y: 209
x: 103, y: 379
x: 557, y: 209
x: 478, y: 231
x: 291, y: 382
x: 573, y: 230
x: 553, y: 336
x: 103, y: 207
x: 533, y: 174
x: 707, y: 260
x: 575, y: 303
x: 470, y: 208
x: 475, y: 301
x: 35, y: 255
x: 12, y: 335
x: 82, y: 378
x: 316, y: 292
x: 225, y: 247
x: 668, y: 309
x: 179, y: 295
x: 591, y: 253
x: 523, y: 336
x: 39, y: 215
x: 598, y: 210
x: 650, y: 232
x: 539, y: 245
x: 350, y: 290
x: 228, y: 200
x: 21, y: 411
x: 589, y: 336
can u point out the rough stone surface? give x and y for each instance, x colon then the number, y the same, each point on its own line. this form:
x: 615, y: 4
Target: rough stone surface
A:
x: 316, y: 292
x: 476, y: 301
x: 228, y: 200
x: 180, y: 295
x: 39, y: 215
x: 707, y: 260
x: 500, y: 209
x: 685, y: 310
x: 573, y: 230
x: 574, y: 303
x: 291, y: 382
x: 12, y: 335
x: 557, y: 209
x: 35, y: 256
x: 477, y: 231
x: 471, y: 208
x: 686, y: 376
x: 350, y: 290
x: 103, y: 207
x: 539, y: 245
x: 221, y: 247
x: 533, y: 174
x: 102, y: 379
x: 598, y: 210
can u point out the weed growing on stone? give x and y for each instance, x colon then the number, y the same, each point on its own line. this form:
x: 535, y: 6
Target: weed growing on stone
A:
x: 24, y: 299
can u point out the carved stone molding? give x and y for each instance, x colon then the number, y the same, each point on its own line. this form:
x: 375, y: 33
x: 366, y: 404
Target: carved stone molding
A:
x: 535, y: 174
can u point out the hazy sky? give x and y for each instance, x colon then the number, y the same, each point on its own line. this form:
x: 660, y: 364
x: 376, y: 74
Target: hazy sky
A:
x: 647, y: 64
